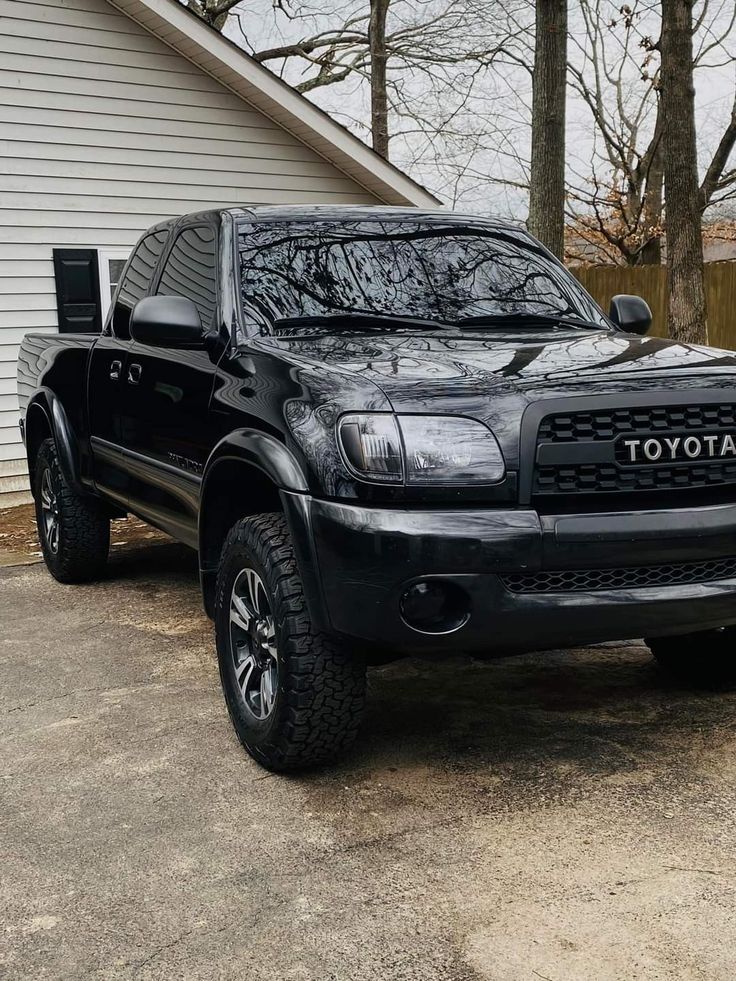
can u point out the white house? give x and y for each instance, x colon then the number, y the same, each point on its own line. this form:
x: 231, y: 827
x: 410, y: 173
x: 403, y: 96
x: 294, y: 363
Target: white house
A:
x: 113, y: 117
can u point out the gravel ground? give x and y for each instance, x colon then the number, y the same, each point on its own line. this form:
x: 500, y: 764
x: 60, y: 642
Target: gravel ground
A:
x: 560, y: 816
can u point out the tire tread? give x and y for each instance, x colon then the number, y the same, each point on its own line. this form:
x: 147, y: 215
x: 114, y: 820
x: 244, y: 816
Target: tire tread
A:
x: 324, y: 684
x: 84, y: 540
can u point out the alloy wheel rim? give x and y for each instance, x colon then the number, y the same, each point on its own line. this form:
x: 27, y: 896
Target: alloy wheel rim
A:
x: 253, y: 644
x: 49, y: 512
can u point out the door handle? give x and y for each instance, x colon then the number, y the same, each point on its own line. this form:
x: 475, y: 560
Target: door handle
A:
x: 134, y: 373
x: 115, y: 369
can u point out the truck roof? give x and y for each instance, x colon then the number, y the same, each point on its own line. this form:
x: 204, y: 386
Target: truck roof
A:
x: 346, y: 212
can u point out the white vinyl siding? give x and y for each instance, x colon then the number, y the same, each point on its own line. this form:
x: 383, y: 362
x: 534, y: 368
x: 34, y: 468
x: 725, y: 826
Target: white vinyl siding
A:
x: 105, y: 131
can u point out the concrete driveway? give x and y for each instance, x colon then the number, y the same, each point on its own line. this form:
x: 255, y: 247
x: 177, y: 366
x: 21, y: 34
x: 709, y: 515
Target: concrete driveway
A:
x: 561, y: 816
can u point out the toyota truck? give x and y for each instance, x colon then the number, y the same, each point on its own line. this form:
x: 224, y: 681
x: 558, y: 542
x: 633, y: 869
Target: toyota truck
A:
x: 389, y: 432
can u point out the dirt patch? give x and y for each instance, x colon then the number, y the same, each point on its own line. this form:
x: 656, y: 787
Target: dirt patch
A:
x: 19, y: 538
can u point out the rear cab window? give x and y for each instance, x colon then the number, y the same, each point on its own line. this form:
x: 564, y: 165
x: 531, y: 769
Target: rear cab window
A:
x: 136, y: 282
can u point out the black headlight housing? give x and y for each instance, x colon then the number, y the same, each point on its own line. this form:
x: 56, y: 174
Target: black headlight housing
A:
x: 420, y: 450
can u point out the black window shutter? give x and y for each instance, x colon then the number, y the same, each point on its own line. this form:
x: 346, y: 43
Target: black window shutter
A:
x: 77, y: 291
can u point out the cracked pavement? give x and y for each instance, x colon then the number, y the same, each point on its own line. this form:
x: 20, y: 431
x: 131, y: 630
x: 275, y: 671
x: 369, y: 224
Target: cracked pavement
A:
x: 562, y: 816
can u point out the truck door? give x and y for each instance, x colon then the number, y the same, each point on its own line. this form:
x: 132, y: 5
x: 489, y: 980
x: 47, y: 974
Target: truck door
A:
x: 167, y: 437
x: 108, y: 366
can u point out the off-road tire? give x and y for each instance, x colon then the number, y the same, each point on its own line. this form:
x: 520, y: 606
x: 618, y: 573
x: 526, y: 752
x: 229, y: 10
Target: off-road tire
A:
x: 83, y: 526
x: 320, y: 693
x: 706, y: 659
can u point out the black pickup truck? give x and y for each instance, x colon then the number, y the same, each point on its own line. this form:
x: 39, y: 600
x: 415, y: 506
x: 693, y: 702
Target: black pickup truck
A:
x: 388, y: 432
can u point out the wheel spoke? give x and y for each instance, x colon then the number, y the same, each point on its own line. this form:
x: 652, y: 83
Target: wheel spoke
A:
x: 270, y: 638
x: 253, y: 588
x: 267, y: 691
x: 243, y: 672
x: 240, y: 615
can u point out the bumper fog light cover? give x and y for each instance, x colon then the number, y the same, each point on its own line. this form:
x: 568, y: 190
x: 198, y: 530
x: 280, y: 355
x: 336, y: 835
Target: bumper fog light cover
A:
x: 435, y: 606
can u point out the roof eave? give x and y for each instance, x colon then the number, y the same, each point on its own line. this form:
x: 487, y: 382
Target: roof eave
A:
x: 183, y: 31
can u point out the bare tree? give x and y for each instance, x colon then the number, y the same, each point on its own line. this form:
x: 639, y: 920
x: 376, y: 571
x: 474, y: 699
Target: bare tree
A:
x: 214, y: 12
x: 547, y: 176
x: 616, y: 201
x: 687, y: 313
x: 615, y: 73
x: 455, y: 99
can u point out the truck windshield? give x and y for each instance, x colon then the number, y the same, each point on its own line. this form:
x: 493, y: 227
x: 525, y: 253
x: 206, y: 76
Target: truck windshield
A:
x: 301, y: 275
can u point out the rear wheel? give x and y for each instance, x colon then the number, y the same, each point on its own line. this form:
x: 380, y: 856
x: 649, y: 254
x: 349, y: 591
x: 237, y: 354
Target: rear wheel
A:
x: 706, y: 659
x: 294, y: 695
x: 74, y: 531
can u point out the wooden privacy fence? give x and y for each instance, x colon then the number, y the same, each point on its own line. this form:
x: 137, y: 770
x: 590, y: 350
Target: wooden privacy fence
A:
x: 650, y: 282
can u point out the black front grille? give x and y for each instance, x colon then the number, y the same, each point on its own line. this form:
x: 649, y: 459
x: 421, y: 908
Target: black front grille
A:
x: 608, y: 424
x: 589, y: 580
x: 565, y: 439
x: 603, y: 478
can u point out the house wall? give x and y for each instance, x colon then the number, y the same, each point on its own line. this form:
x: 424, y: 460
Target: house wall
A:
x: 106, y: 130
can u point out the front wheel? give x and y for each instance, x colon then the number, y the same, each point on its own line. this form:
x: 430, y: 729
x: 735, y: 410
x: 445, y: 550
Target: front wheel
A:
x: 706, y: 659
x: 295, y: 696
x: 74, y: 531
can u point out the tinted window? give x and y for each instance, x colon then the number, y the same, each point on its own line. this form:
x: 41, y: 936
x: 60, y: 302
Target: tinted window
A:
x: 191, y: 270
x: 137, y: 280
x: 416, y: 269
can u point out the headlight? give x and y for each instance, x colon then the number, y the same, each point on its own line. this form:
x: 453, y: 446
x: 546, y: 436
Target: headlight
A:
x: 372, y: 447
x: 450, y: 449
x: 420, y: 450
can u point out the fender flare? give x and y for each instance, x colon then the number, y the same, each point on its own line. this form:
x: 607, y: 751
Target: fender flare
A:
x: 263, y: 451
x: 44, y: 400
x: 253, y: 448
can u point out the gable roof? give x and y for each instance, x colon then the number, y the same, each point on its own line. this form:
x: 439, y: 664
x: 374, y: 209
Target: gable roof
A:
x: 214, y: 54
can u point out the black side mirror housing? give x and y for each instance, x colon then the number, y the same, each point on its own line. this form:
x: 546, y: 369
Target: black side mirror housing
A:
x: 167, y: 321
x: 631, y: 313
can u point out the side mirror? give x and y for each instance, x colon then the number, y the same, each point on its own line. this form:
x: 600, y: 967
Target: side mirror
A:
x: 166, y: 321
x: 630, y: 313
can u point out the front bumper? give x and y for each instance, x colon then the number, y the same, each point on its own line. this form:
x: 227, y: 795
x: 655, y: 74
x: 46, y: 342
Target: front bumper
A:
x: 359, y: 562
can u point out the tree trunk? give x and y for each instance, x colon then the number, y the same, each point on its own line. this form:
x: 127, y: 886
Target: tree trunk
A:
x: 687, y: 313
x: 379, y: 96
x: 547, y: 177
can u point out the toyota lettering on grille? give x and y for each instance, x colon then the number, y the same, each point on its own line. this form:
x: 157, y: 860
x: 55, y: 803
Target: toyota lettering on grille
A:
x: 683, y: 448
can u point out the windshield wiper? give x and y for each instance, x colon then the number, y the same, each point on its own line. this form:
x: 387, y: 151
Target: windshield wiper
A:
x: 527, y: 319
x: 357, y: 321
x: 394, y: 321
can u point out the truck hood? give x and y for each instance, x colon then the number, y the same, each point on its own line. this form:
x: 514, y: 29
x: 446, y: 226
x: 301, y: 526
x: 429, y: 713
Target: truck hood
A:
x: 494, y: 377
x: 423, y: 367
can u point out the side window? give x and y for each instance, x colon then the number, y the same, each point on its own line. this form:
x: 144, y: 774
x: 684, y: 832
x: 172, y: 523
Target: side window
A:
x: 137, y: 280
x: 191, y: 270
